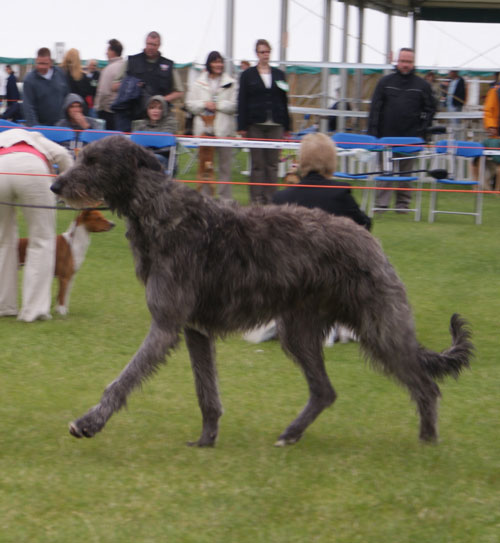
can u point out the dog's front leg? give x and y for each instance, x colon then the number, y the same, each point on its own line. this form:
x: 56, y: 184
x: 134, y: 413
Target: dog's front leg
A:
x: 145, y: 362
x: 202, y: 354
x: 65, y: 286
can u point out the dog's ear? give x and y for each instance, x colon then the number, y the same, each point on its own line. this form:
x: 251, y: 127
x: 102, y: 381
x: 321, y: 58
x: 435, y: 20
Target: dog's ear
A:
x: 146, y: 159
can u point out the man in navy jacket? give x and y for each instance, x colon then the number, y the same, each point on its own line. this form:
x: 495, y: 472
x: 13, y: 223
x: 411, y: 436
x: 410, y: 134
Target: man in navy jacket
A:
x: 44, y: 91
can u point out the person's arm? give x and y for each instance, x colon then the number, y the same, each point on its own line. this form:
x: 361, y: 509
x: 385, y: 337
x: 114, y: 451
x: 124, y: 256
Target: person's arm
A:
x: 352, y: 210
x: 242, y: 104
x: 429, y: 106
x: 374, y: 118
x: 227, y: 103
x: 55, y: 153
x: 284, y: 94
x: 195, y: 102
x: 177, y: 89
x: 461, y: 91
x: 12, y: 90
x: 117, y: 81
x: 29, y: 110
x: 491, y: 111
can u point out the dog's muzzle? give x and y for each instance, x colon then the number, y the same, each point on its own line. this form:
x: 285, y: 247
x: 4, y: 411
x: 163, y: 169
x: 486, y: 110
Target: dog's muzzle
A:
x: 56, y: 187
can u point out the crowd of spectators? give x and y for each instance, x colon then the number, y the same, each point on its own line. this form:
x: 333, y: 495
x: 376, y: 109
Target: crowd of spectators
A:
x: 137, y: 94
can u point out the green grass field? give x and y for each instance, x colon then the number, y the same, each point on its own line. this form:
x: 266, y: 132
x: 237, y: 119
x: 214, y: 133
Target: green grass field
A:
x: 358, y: 475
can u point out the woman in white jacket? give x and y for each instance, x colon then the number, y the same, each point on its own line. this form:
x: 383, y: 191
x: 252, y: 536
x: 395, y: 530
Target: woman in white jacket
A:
x: 26, y: 160
x: 214, y: 93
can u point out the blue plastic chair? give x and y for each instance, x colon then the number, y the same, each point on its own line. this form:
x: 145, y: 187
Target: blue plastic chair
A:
x: 301, y: 133
x: 402, y: 146
x: 88, y: 136
x: 56, y: 134
x: 8, y: 125
x: 157, y: 141
x: 453, y: 150
x: 349, y: 141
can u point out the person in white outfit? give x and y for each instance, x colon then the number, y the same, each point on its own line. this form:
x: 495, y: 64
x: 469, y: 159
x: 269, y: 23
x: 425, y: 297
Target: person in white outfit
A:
x: 26, y: 152
x: 214, y: 93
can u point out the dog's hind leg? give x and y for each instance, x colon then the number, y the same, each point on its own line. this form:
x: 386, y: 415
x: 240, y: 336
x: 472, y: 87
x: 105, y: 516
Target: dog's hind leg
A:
x: 425, y: 393
x: 202, y: 354
x: 145, y: 362
x: 395, y: 350
x: 302, y: 340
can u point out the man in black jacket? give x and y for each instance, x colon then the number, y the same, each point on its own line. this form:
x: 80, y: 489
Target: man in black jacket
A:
x: 156, y: 73
x: 402, y: 105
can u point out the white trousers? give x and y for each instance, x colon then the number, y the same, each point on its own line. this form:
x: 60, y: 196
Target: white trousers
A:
x: 40, y: 254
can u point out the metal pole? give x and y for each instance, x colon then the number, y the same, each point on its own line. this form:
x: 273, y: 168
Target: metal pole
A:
x: 414, y: 20
x: 325, y: 72
x: 283, y: 33
x: 359, y: 72
x: 388, y: 43
x: 343, y: 71
x: 229, y: 36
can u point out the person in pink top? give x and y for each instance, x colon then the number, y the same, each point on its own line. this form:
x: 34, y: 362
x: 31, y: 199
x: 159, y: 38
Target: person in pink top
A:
x: 26, y: 160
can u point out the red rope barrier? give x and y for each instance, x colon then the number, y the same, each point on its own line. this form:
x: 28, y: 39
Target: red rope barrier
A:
x: 248, y: 183
x: 359, y: 145
x: 204, y: 181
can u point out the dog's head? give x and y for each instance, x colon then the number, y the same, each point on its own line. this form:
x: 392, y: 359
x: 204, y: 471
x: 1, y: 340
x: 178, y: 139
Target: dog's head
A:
x: 94, y: 221
x: 105, y: 170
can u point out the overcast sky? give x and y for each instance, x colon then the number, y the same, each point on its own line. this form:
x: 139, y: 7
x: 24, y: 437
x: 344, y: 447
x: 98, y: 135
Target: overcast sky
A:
x: 192, y: 28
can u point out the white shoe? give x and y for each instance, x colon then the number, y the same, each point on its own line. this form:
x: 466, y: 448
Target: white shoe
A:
x: 42, y: 317
x: 8, y: 313
x: 330, y: 338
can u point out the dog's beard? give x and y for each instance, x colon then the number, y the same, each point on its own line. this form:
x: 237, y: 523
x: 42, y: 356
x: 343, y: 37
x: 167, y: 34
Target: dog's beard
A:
x: 83, y: 204
x: 78, y: 198
x: 81, y: 200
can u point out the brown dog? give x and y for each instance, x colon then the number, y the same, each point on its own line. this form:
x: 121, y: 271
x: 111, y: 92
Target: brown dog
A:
x: 206, y: 170
x: 71, y: 248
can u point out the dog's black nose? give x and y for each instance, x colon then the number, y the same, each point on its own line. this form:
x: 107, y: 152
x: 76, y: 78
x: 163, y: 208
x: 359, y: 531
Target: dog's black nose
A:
x: 56, y: 187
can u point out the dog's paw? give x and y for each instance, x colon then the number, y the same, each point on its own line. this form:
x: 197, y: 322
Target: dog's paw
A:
x: 207, y: 439
x: 74, y: 430
x: 61, y: 310
x: 77, y: 430
x: 88, y: 425
x: 200, y: 443
x: 284, y: 442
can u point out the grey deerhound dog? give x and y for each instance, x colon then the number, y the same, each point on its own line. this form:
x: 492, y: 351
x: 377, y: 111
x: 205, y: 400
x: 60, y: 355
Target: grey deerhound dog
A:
x: 211, y: 269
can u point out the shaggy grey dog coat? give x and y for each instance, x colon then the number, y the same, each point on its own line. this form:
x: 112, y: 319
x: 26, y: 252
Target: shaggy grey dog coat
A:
x: 211, y: 269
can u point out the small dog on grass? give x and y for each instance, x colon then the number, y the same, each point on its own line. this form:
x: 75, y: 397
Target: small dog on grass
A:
x: 210, y: 269
x: 71, y: 248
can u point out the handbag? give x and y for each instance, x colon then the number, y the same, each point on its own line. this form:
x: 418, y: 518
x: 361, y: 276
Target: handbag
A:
x: 129, y: 94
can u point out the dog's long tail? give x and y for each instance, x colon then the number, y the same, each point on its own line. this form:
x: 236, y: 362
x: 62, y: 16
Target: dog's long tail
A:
x: 452, y: 360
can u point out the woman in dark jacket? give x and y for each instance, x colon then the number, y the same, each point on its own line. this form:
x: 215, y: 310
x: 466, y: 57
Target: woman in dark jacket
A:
x: 316, y: 165
x: 263, y: 114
